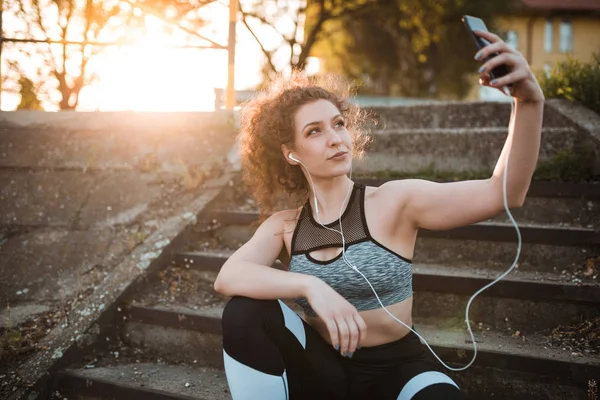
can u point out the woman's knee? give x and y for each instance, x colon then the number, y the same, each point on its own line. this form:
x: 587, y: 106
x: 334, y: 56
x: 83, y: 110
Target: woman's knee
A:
x: 246, y: 338
x: 242, y: 313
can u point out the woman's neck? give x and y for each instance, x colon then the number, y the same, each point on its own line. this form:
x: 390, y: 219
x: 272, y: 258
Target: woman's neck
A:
x: 332, y: 195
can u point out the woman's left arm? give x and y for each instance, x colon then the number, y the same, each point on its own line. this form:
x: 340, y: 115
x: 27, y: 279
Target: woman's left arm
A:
x: 525, y: 127
x: 437, y: 206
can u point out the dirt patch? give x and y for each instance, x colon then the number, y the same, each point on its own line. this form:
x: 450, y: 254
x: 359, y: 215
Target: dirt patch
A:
x: 580, y: 339
x: 181, y: 285
x: 209, y: 242
x: 18, y: 342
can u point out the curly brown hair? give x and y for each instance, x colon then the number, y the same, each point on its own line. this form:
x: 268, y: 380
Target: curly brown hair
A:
x: 267, y: 122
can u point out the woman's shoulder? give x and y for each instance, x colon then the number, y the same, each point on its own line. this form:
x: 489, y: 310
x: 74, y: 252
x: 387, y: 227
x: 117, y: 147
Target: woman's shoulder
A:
x: 284, y: 218
x: 391, y: 194
x: 389, y: 189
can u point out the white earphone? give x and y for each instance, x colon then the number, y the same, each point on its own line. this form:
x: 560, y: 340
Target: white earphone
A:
x: 341, y: 232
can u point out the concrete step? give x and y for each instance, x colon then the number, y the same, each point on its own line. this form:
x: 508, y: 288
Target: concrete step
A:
x: 458, y: 114
x: 521, y: 301
x: 499, y: 256
x: 507, y: 366
x: 478, y: 382
x: 142, y: 381
x: 490, y: 245
x: 452, y: 149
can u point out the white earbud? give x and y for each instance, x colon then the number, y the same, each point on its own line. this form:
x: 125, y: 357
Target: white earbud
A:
x: 291, y: 157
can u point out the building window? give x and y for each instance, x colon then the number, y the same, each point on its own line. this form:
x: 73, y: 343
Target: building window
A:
x: 512, y: 38
x: 548, y: 70
x: 566, y: 37
x: 548, y: 36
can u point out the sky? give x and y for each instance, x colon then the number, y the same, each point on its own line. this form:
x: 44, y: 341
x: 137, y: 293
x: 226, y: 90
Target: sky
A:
x: 150, y: 76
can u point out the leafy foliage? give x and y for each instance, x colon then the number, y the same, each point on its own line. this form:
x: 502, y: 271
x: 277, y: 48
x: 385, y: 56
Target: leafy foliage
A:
x: 574, y: 80
x: 569, y: 165
x: 29, y: 100
x: 416, y: 48
x: 65, y: 66
x: 297, y: 25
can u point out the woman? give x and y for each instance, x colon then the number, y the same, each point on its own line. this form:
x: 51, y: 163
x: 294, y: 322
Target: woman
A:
x: 302, y: 138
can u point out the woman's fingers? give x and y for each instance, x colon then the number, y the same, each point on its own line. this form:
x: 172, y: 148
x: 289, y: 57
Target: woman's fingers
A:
x: 491, y: 37
x: 344, y: 332
x: 517, y: 67
x: 499, y: 46
x: 332, y: 328
x: 509, y: 60
x: 495, y: 51
x: 354, y: 335
x: 514, y: 76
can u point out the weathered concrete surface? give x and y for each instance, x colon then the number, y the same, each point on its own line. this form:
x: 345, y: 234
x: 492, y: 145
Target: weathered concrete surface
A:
x: 42, y: 198
x: 143, y: 141
x: 88, y: 202
x: 576, y: 114
x: 466, y: 149
x: 584, y: 119
x: 455, y: 114
x: 462, y: 136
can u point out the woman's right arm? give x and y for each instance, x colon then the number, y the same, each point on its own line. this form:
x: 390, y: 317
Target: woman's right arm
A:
x: 249, y: 272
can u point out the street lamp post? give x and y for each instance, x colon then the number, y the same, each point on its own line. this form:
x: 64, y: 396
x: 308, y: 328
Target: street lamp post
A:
x: 230, y: 96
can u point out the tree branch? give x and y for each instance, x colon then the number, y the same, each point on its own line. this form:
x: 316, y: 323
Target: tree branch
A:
x: 264, y: 50
x: 312, y: 36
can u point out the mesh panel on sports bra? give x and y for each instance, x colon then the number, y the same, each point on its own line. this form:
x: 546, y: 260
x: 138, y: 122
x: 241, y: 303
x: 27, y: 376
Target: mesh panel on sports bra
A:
x: 310, y: 236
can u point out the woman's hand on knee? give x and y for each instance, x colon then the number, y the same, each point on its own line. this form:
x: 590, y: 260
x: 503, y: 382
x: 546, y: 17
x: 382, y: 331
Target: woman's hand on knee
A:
x: 347, y: 329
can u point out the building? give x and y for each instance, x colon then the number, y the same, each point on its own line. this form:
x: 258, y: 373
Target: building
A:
x: 549, y: 31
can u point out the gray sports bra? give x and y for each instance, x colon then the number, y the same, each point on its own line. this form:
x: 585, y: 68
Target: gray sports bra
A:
x: 389, y: 273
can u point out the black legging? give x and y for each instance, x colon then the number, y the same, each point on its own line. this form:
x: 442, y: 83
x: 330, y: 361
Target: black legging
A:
x: 270, y: 353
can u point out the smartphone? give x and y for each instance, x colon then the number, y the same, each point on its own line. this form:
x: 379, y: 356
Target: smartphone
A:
x: 473, y: 24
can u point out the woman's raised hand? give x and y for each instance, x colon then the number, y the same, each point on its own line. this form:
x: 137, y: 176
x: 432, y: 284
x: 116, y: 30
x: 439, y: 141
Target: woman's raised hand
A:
x: 525, y: 86
x: 346, y: 327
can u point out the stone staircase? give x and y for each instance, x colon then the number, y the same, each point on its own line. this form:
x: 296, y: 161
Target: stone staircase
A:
x: 537, y: 330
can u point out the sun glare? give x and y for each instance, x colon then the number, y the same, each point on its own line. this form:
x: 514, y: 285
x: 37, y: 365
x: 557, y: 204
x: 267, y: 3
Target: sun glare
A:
x: 152, y: 76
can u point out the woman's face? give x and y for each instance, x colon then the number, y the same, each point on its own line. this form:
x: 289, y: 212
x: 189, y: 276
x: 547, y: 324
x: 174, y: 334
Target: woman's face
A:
x: 322, y: 142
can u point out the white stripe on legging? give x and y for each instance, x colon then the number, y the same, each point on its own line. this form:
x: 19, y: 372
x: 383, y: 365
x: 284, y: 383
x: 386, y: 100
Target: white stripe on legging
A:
x: 421, y: 381
x: 294, y: 323
x: 246, y: 383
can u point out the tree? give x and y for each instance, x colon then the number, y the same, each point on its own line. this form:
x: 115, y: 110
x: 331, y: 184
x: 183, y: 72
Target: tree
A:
x: 408, y: 47
x: 297, y: 25
x: 28, y: 92
x: 186, y: 14
x: 64, y: 69
x: 65, y: 66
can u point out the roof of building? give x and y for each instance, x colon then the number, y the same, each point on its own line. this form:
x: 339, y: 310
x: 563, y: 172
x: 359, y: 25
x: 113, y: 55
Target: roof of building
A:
x: 580, y: 5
